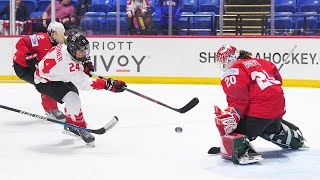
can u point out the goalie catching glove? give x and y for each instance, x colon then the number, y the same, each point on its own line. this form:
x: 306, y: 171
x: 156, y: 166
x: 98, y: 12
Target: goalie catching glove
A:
x: 227, y: 120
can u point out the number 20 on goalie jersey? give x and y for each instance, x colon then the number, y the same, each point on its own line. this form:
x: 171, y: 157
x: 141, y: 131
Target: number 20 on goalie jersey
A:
x: 254, y: 87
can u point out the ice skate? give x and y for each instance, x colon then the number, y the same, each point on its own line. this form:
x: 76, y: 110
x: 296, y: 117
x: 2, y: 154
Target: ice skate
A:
x: 56, y: 114
x: 71, y: 132
x: 87, y: 137
x: 249, y: 157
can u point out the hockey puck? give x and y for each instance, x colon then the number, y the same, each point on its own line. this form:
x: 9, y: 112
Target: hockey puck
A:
x: 178, y: 129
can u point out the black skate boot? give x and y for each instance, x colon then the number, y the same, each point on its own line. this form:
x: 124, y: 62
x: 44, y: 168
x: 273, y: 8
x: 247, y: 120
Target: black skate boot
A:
x: 56, y: 114
x: 87, y: 137
x: 71, y: 131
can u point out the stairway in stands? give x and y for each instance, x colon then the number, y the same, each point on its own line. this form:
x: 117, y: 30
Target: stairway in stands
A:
x: 245, y: 17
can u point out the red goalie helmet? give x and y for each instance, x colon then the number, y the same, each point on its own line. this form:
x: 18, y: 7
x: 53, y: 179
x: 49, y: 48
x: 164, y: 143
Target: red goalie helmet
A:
x: 226, y: 56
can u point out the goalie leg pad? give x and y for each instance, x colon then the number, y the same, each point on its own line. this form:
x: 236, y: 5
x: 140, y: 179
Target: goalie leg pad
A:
x: 289, y: 137
x: 238, y: 149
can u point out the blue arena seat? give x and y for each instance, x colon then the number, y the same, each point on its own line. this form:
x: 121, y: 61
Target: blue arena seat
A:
x: 100, y: 6
x: 36, y: 15
x: 283, y: 22
x: 113, y: 5
x: 209, y: 6
x: 306, y: 25
x: 111, y: 22
x: 43, y: 4
x: 308, y: 6
x: 204, y: 22
x: 93, y: 22
x: 285, y: 6
x: 186, y: 22
x: 3, y: 4
x: 190, y: 6
x: 31, y: 5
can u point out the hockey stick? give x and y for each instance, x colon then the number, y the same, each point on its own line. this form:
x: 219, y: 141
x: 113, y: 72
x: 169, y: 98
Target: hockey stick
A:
x: 191, y: 104
x: 285, y: 60
x: 214, y: 150
x: 102, y: 130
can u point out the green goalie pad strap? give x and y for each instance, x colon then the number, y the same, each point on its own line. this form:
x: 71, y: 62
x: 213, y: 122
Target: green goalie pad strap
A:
x: 290, y: 137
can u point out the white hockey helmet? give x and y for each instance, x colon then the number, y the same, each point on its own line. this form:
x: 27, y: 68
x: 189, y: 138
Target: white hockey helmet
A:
x: 56, y: 26
x: 56, y: 32
x: 226, y: 56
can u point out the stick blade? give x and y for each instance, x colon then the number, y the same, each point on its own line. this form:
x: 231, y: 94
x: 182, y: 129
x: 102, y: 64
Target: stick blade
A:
x: 214, y: 150
x: 189, y: 106
x: 107, y: 127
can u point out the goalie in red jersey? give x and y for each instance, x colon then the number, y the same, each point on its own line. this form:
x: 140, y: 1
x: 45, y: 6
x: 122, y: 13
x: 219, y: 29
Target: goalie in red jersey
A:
x: 256, y: 105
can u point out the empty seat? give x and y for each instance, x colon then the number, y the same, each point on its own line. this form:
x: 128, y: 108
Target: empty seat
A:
x: 111, y: 22
x: 190, y: 6
x: 308, y: 6
x: 306, y: 23
x: 100, y: 6
x: 209, y: 6
x: 285, y: 5
x: 205, y: 21
x: 113, y: 5
x: 43, y: 4
x: 186, y: 22
x: 92, y: 22
x: 283, y: 22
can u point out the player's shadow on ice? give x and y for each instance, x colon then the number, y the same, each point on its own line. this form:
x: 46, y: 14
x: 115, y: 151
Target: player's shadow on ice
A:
x: 26, y: 122
x: 278, y: 154
x: 64, y: 147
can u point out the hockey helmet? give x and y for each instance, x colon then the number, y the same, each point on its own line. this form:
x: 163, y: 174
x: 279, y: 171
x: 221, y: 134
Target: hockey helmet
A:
x: 56, y: 32
x: 226, y: 56
x: 78, y: 46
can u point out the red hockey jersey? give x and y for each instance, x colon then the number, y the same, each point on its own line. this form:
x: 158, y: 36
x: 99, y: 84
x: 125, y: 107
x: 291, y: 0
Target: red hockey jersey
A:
x: 38, y: 43
x: 254, y: 87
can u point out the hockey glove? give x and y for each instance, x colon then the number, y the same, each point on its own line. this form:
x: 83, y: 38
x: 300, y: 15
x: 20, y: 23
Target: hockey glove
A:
x: 227, y: 120
x: 88, y: 67
x: 115, y: 85
x: 31, y: 59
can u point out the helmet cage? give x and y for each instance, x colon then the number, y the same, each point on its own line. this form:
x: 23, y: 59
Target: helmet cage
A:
x: 226, y: 56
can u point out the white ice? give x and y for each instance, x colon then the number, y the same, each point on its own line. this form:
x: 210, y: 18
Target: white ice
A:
x: 144, y: 145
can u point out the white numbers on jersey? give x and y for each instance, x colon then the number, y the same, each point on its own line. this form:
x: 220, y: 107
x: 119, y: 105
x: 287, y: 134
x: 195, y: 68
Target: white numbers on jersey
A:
x: 263, y: 79
x: 230, y: 80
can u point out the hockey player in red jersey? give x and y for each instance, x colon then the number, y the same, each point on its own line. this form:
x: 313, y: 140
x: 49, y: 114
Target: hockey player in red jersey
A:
x: 30, y: 50
x: 59, y: 75
x: 256, y: 105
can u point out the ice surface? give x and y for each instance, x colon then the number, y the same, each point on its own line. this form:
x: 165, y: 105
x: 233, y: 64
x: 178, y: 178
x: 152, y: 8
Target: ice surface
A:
x: 144, y: 144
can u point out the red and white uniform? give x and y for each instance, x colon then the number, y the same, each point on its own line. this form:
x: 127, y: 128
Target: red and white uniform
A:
x: 38, y: 43
x: 58, y: 65
x: 254, y: 87
x: 136, y: 6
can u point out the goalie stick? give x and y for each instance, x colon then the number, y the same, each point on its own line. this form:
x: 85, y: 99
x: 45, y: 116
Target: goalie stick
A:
x: 214, y: 150
x: 191, y: 104
x: 102, y: 130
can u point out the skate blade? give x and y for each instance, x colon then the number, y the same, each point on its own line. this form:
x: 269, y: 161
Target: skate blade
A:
x: 250, y: 160
x: 91, y: 144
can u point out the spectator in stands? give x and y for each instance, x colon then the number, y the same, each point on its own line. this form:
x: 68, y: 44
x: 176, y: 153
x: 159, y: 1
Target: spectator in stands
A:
x: 21, y: 16
x: 134, y: 8
x: 21, y: 11
x: 162, y: 11
x: 65, y: 14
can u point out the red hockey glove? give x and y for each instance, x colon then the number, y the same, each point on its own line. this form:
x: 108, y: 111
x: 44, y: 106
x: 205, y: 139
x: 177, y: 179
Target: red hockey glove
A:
x: 115, y: 85
x: 31, y: 59
x: 88, y: 67
x: 227, y: 120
